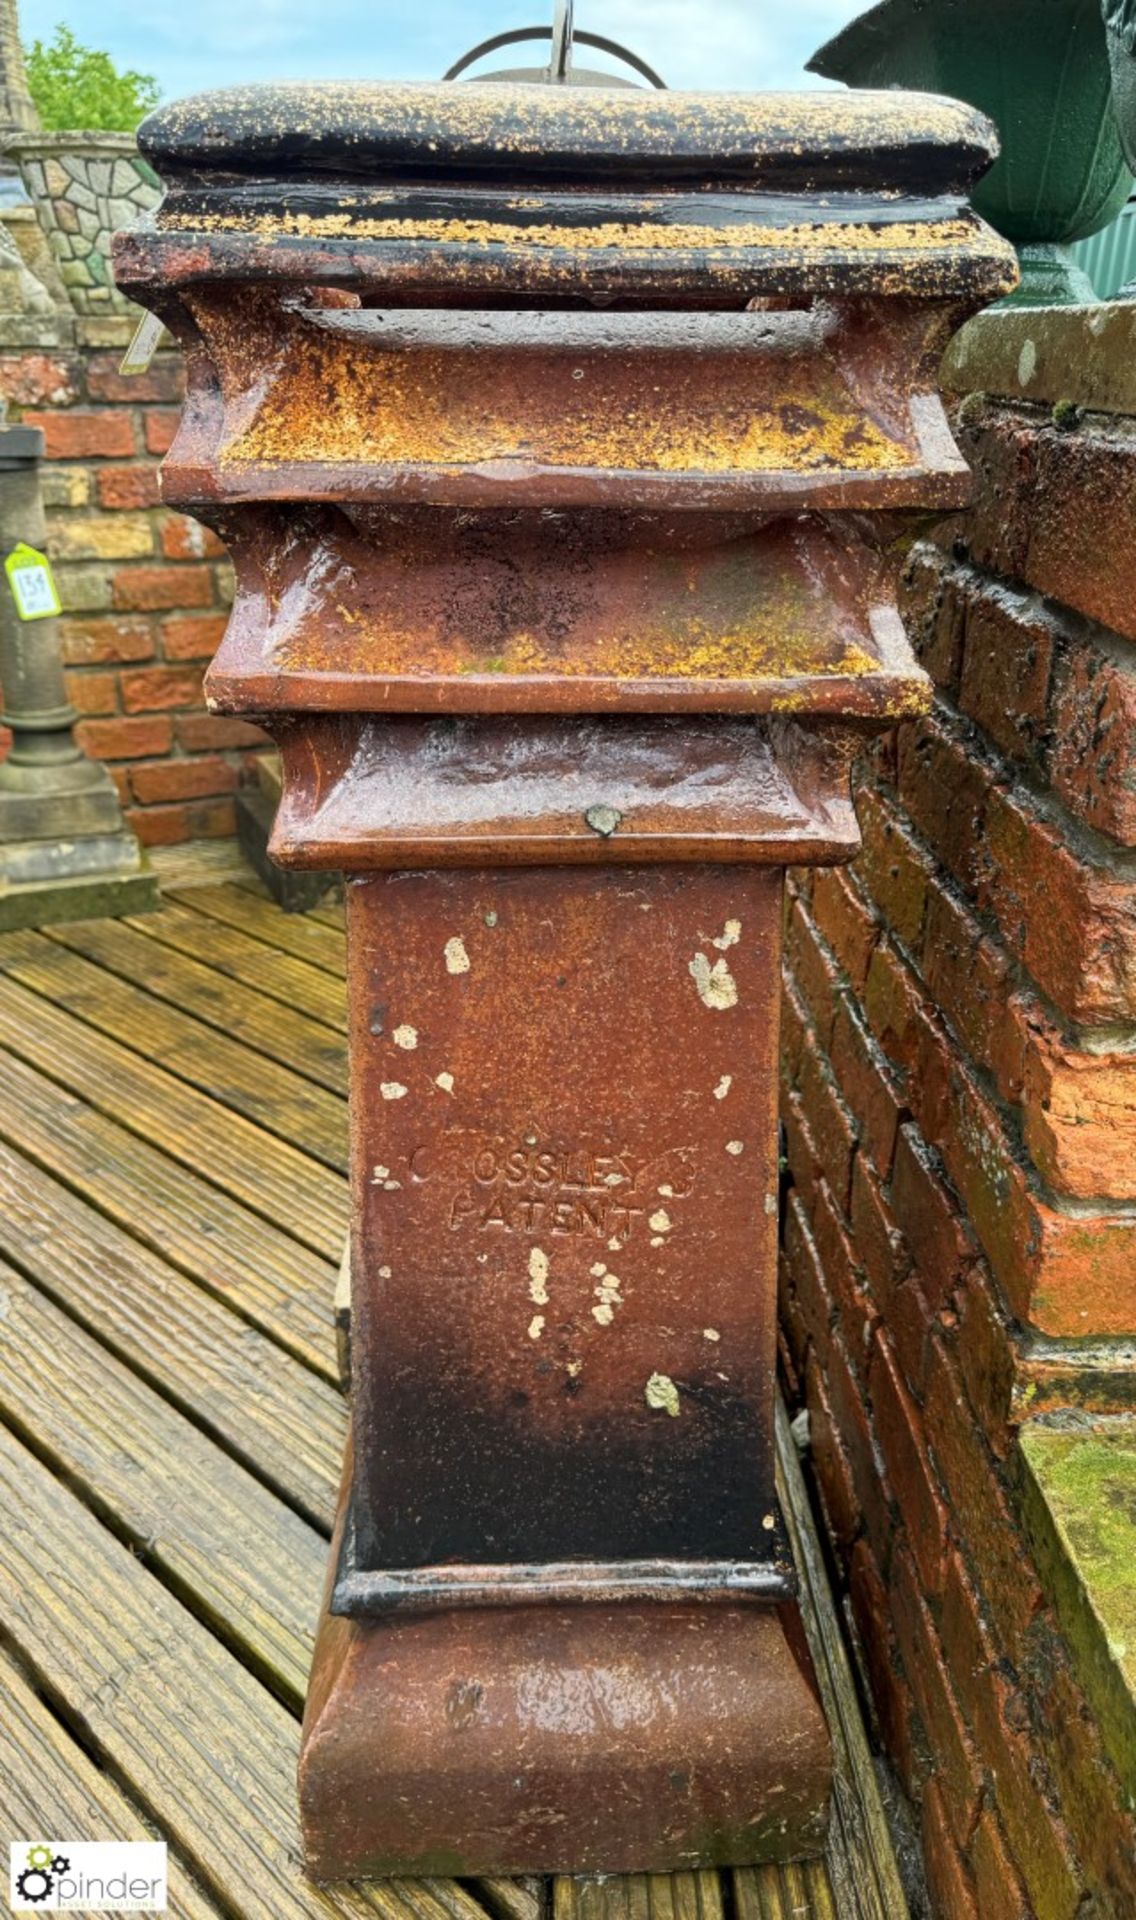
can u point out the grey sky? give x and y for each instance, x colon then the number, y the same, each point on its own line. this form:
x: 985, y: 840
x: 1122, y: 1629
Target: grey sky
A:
x: 191, y: 44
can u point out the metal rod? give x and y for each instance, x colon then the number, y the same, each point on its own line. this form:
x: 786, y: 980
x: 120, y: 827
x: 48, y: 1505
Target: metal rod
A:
x: 560, y: 62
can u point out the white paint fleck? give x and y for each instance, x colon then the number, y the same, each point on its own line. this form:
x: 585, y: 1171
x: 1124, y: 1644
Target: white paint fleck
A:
x: 457, y: 959
x: 771, y: 1203
x: 657, y: 1240
x: 768, y: 1522
x: 711, y: 1333
x: 491, y: 918
x: 614, y: 1244
x: 573, y: 1368
x: 536, y: 1326
x: 661, y: 1394
x: 392, y: 1089
x: 716, y: 985
x: 445, y: 1081
x: 723, y: 1086
x: 392, y: 1186
x: 609, y: 1297
x: 538, y: 1277
x: 729, y: 937
x: 384, y: 1273
x: 406, y: 1038
x: 613, y: 1179
x: 735, y: 1147
x: 1027, y: 363
x: 666, y: 1191
x: 598, y: 1270
x: 378, y: 1175
x: 660, y: 1222
x: 602, y: 819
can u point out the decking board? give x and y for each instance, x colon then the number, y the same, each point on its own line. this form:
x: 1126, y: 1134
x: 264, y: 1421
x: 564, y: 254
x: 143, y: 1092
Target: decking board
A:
x: 282, y: 1033
x: 191, y: 1127
x: 263, y: 1274
x: 252, y: 912
x: 329, y: 912
x: 211, y: 1753
x: 46, y: 1776
x: 270, y: 1411
x: 278, y: 1100
x: 239, y: 956
x: 241, y: 1559
x: 639, y: 1896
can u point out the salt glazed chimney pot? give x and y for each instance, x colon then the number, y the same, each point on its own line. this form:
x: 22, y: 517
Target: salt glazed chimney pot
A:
x: 564, y: 442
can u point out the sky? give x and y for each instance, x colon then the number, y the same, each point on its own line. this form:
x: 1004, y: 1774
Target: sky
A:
x: 189, y: 45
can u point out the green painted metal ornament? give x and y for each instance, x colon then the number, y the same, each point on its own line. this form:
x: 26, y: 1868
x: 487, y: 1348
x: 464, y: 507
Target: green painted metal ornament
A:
x: 1040, y: 70
x: 1120, y: 29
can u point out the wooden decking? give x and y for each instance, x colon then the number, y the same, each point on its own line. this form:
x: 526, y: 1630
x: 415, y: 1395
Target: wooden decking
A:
x: 172, y: 1210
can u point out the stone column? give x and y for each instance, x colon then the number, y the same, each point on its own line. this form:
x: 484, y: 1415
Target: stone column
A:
x: 563, y: 443
x: 17, y: 109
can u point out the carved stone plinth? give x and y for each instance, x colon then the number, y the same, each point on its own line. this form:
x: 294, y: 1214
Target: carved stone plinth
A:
x: 66, y: 852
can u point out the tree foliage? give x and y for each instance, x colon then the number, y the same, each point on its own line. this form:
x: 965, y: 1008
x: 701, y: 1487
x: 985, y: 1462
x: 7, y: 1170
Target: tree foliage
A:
x: 77, y: 87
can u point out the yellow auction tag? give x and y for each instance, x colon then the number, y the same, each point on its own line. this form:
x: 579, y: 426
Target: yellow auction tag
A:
x: 33, y: 588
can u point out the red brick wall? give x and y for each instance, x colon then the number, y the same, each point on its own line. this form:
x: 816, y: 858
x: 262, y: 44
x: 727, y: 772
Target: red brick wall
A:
x: 144, y: 590
x: 960, y: 1109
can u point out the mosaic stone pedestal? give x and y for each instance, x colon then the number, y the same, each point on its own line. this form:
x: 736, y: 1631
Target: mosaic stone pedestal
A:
x: 86, y: 187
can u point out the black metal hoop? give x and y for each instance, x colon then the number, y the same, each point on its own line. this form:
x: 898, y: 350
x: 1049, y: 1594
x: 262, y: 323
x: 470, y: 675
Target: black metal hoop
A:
x: 596, y: 40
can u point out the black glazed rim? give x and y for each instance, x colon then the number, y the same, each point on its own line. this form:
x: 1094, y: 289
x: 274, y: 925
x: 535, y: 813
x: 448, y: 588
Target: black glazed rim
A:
x: 909, y: 142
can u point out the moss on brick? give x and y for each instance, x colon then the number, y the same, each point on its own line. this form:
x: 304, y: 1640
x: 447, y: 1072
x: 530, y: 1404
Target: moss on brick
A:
x: 1079, y: 1506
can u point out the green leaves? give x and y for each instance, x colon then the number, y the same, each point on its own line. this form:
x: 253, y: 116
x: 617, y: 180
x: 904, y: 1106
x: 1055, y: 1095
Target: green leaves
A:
x: 77, y: 87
